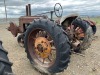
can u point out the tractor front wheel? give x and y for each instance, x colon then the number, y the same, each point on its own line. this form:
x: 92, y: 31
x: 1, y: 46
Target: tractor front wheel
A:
x: 20, y: 40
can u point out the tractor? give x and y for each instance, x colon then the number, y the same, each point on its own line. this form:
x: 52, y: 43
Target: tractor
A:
x: 48, y: 42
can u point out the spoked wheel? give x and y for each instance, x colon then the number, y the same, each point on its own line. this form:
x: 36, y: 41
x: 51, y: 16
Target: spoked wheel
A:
x: 20, y: 40
x: 83, y: 33
x: 45, y: 48
x: 80, y: 34
x: 45, y: 51
x: 76, y: 35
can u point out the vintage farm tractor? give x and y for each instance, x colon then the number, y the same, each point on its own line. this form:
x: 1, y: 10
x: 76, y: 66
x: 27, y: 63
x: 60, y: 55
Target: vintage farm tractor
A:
x: 48, y: 42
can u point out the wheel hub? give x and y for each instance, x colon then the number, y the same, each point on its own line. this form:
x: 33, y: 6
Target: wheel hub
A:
x: 79, y: 34
x: 42, y: 47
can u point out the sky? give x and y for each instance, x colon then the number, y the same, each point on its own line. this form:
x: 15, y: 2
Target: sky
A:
x: 16, y: 8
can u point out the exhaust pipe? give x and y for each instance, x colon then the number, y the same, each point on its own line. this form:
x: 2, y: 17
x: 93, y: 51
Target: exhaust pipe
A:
x: 28, y: 10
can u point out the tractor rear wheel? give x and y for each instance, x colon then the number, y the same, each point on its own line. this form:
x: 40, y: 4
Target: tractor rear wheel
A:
x: 80, y: 34
x: 47, y: 47
x: 5, y: 64
x: 84, y: 36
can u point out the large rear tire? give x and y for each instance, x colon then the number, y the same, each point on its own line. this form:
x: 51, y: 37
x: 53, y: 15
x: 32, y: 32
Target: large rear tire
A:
x: 5, y: 65
x: 60, y: 41
x: 79, y: 32
x: 88, y: 34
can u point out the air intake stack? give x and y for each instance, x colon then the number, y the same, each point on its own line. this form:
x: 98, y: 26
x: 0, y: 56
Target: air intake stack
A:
x: 28, y: 10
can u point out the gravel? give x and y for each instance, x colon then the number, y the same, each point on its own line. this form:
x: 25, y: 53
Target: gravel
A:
x: 87, y: 63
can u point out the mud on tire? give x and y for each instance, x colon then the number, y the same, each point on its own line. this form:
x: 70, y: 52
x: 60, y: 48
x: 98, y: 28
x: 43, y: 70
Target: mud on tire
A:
x: 61, y: 44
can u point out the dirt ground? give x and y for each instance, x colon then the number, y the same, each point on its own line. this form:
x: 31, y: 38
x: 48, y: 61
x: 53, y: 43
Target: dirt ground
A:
x: 86, y: 64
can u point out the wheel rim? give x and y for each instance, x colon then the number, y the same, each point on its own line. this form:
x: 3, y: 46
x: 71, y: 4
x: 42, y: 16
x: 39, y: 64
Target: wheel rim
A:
x: 76, y: 34
x: 41, y: 48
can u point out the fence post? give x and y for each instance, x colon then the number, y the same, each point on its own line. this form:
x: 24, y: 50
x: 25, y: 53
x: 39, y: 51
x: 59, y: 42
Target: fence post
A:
x: 5, y: 10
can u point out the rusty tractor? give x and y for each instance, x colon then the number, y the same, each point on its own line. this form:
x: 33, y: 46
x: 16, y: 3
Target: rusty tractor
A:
x: 48, y: 42
x: 5, y: 65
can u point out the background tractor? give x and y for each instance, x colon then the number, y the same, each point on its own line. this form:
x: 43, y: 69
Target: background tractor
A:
x: 48, y: 42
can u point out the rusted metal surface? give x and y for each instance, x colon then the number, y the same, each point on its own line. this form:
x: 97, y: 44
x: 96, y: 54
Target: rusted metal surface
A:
x: 22, y: 22
x: 44, y: 51
x: 42, y: 47
x: 14, y: 29
x: 26, y: 20
x: 92, y: 23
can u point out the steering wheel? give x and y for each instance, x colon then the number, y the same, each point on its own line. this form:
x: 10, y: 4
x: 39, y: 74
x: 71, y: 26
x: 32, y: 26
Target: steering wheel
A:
x: 58, y: 10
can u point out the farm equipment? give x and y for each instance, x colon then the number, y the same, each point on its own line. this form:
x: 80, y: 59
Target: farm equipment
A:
x: 48, y: 42
x: 5, y: 65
